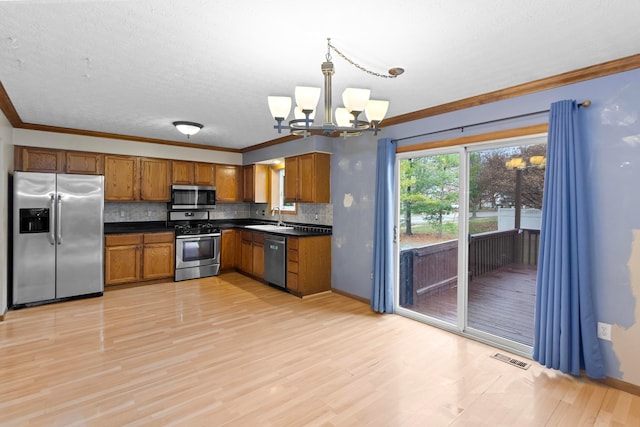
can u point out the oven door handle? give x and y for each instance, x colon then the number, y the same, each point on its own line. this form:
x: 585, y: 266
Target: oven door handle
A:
x: 196, y: 237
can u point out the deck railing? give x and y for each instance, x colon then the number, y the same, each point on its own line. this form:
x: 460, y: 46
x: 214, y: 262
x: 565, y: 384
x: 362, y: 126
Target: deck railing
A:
x: 433, y: 268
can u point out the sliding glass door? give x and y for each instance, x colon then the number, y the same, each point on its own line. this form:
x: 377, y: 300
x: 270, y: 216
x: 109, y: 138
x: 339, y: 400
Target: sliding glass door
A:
x: 469, y: 226
x: 428, y: 231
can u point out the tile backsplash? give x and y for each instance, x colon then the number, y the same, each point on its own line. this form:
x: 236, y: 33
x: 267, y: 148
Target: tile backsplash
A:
x: 145, y: 211
x: 307, y: 213
x: 134, y: 211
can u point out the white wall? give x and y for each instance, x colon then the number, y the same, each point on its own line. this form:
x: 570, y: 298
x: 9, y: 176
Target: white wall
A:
x: 33, y: 138
x: 6, y: 162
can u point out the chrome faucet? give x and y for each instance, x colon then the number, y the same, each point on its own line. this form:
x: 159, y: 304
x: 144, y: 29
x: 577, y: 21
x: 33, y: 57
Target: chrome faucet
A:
x: 280, y: 223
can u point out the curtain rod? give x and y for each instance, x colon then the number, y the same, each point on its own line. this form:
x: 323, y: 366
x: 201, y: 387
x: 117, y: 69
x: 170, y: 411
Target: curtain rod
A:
x: 584, y: 104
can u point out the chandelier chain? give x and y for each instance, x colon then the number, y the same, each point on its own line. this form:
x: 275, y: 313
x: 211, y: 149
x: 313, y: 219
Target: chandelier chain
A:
x: 355, y: 64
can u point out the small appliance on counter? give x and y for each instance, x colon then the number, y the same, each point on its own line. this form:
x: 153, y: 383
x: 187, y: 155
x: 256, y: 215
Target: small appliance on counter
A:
x: 197, y: 245
x: 57, y: 237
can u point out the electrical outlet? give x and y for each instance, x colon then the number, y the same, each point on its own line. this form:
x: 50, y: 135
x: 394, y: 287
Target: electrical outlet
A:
x: 604, y: 331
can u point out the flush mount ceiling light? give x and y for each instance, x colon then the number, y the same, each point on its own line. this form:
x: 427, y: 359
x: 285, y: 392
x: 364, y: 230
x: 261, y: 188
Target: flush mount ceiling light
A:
x: 188, y: 128
x: 347, y: 122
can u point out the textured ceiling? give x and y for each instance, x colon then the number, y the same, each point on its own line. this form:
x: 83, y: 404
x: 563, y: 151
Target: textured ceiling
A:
x: 133, y: 67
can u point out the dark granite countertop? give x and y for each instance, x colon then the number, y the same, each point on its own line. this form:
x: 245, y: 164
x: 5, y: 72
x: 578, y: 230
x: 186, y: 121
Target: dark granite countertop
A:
x: 299, y: 230
x: 136, y: 227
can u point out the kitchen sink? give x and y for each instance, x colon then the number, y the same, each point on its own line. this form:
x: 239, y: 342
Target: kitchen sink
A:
x: 269, y: 227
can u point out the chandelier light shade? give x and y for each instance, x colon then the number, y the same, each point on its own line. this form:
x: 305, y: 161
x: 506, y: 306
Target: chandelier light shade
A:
x: 538, y: 162
x: 188, y: 128
x: 347, y: 122
x: 376, y: 110
x: 355, y: 99
x: 307, y: 97
x: 279, y: 106
x: 343, y: 117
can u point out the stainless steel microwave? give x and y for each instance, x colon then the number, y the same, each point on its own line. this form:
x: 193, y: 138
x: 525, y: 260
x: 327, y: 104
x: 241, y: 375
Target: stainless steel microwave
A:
x: 193, y: 197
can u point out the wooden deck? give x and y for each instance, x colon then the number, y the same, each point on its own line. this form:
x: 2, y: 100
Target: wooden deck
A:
x: 501, y: 302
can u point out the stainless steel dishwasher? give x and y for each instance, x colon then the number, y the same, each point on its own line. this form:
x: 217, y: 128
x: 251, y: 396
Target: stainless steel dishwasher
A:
x: 275, y: 260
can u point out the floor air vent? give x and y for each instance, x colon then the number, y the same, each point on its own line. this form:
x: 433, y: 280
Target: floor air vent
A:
x: 515, y: 362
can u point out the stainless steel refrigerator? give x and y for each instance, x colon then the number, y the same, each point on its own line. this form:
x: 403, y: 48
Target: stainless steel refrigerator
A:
x: 57, y: 237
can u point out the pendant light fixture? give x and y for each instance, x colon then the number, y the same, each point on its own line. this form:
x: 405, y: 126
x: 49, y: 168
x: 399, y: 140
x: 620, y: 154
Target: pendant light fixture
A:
x: 347, y: 118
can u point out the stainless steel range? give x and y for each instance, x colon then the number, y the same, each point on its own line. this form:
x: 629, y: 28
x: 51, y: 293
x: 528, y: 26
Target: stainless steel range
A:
x: 197, y: 245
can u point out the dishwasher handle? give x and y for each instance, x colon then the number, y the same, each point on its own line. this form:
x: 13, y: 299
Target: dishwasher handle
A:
x: 277, y: 240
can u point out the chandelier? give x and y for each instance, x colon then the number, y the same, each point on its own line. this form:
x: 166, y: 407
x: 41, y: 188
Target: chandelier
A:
x: 347, y: 118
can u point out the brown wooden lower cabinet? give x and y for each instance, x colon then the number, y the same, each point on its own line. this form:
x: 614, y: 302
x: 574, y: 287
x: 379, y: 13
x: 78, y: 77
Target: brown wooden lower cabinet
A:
x: 136, y: 257
x: 308, y: 265
x: 258, y: 254
x: 308, y: 259
x: 122, y: 258
x: 246, y: 252
x: 252, y: 253
x: 158, y: 256
x: 228, y: 249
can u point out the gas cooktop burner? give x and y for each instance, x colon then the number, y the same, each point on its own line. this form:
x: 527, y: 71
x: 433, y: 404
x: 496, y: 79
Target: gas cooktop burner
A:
x: 202, y: 228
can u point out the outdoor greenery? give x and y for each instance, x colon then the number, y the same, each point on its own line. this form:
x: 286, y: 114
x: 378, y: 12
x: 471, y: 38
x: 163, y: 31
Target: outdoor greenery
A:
x: 429, y: 188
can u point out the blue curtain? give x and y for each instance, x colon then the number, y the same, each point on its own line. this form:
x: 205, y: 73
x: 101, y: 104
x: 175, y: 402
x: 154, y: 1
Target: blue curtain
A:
x: 382, y: 293
x: 565, y: 324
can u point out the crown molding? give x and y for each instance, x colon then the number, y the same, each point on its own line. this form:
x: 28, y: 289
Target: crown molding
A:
x: 8, y: 109
x: 564, y: 79
x: 582, y: 74
x: 72, y: 131
x: 14, y: 119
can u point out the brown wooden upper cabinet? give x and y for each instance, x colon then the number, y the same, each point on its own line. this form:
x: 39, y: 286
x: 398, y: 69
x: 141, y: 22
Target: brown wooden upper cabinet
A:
x: 121, y: 178
x: 34, y: 159
x: 129, y: 178
x: 193, y: 173
x: 155, y: 180
x: 229, y: 183
x: 183, y: 172
x: 307, y: 178
x: 84, y: 163
x: 255, y: 183
x: 204, y: 174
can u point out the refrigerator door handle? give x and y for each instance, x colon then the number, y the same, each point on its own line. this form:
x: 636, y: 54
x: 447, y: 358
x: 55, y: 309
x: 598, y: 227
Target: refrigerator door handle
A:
x: 52, y: 220
x: 59, y: 220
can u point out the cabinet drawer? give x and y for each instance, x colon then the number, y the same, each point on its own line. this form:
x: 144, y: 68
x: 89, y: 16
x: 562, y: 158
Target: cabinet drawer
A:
x: 258, y: 238
x: 247, y: 235
x: 167, y: 237
x: 292, y: 281
x: 292, y: 243
x: 292, y: 255
x: 123, y: 239
x: 292, y: 267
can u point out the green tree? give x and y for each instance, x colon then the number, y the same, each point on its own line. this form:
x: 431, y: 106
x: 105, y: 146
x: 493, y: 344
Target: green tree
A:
x: 429, y: 186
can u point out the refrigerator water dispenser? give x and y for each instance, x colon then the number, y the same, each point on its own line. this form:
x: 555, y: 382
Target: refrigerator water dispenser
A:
x: 35, y: 220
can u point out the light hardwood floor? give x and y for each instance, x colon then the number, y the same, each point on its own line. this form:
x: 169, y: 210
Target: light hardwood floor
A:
x: 231, y: 351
